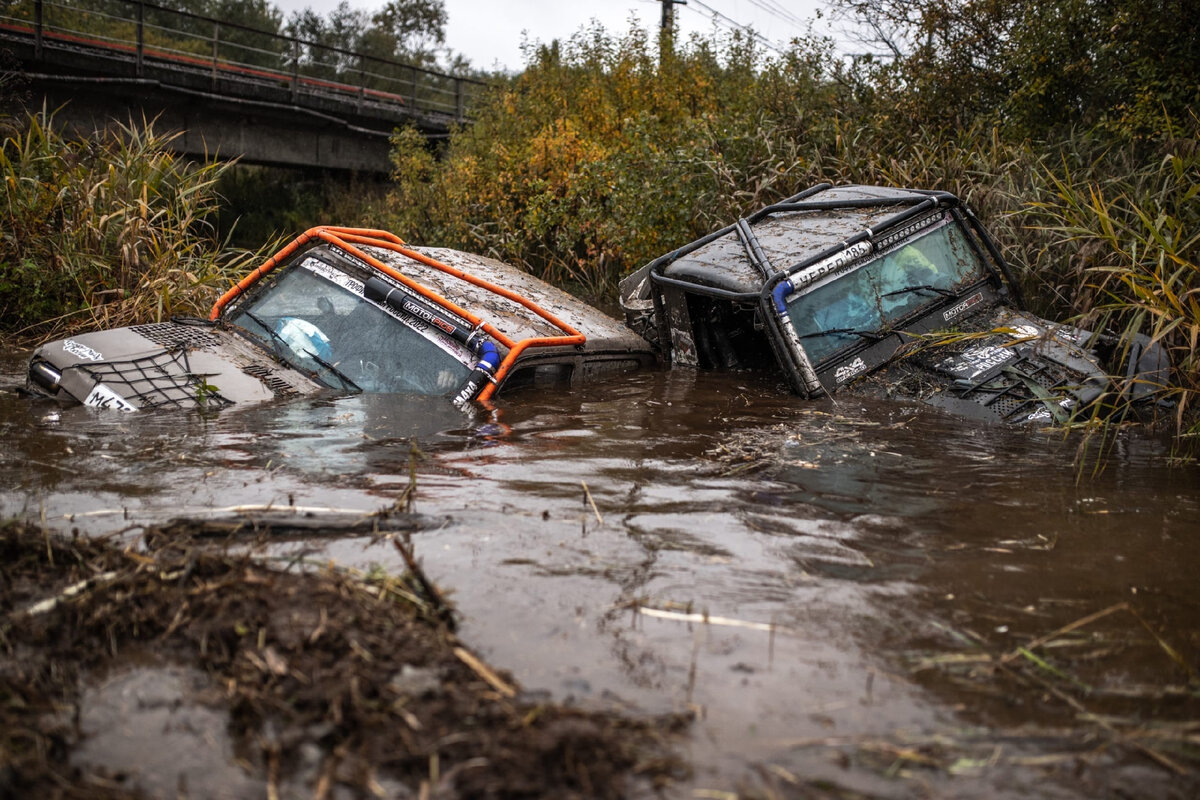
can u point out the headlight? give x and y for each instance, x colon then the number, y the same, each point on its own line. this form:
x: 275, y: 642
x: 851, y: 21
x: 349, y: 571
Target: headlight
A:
x: 45, y: 376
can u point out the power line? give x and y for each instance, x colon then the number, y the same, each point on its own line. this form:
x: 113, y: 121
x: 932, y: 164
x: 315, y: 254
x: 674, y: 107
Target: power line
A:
x: 779, y: 12
x: 734, y: 24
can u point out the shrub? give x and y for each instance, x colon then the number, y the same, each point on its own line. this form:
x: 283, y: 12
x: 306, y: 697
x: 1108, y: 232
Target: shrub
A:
x: 104, y: 231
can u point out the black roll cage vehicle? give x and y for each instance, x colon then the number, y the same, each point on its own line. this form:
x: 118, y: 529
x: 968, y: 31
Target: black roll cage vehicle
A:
x: 894, y: 290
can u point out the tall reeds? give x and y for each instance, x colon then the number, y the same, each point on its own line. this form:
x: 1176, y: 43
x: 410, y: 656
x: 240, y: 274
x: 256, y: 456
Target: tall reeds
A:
x: 103, y: 231
x: 1126, y: 227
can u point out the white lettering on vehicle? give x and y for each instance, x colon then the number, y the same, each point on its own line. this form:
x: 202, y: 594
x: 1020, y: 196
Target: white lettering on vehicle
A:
x: 957, y: 310
x: 81, y: 351
x: 982, y: 359
x: 103, y: 397
x: 848, y: 371
x: 428, y: 316
x: 836, y: 261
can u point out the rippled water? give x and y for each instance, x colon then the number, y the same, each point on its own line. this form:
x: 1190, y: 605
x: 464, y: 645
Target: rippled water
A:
x: 819, y: 583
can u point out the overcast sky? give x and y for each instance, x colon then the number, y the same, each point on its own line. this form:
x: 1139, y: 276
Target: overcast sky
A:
x: 490, y: 32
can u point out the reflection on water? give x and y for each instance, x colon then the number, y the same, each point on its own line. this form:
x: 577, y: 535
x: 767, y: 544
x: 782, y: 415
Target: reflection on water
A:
x: 869, y: 572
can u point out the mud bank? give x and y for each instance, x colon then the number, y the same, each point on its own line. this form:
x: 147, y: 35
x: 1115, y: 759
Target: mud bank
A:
x: 173, y: 667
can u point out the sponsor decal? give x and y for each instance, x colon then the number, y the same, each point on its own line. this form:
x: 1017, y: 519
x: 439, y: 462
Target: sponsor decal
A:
x: 1025, y: 332
x: 333, y: 275
x: 103, y: 397
x: 81, y: 351
x: 834, y: 262
x: 1040, y: 414
x: 958, y: 310
x: 976, y: 361
x: 848, y: 371
x: 468, y: 391
x: 423, y: 313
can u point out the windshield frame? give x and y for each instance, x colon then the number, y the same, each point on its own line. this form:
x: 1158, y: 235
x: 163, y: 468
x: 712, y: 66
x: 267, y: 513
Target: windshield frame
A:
x: 912, y: 290
x: 454, y: 365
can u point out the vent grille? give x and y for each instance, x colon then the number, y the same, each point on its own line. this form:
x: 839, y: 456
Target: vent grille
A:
x: 1010, y: 394
x: 172, y: 334
x: 278, y: 386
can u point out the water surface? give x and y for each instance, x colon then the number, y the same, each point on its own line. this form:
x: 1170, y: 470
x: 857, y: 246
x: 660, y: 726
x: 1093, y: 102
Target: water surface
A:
x: 839, y: 592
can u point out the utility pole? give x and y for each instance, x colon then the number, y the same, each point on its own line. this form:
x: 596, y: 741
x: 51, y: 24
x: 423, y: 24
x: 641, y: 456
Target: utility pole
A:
x: 668, y: 14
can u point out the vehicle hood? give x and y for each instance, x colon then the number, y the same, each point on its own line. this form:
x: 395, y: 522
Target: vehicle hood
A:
x: 164, y: 365
x: 1019, y: 369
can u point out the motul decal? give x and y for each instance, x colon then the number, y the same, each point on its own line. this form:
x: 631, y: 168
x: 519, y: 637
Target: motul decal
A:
x: 432, y: 319
x: 957, y: 310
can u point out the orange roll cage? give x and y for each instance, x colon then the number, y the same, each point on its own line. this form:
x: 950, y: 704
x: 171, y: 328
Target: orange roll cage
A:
x: 348, y: 238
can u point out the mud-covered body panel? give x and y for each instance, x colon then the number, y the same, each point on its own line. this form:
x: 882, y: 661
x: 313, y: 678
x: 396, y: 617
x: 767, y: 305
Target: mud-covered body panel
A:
x: 348, y: 310
x: 167, y: 365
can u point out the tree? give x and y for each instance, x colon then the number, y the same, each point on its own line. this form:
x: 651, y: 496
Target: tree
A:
x: 1038, y: 65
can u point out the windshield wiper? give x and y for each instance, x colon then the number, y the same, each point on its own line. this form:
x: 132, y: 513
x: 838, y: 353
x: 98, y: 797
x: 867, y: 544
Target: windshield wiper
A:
x: 926, y: 287
x: 276, y: 339
x: 870, y: 336
x: 341, y: 376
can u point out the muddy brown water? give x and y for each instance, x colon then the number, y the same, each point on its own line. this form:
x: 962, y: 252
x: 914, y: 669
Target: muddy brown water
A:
x: 839, y: 592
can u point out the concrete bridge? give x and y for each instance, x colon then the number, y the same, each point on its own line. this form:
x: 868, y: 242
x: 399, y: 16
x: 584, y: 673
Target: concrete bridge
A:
x: 229, y: 90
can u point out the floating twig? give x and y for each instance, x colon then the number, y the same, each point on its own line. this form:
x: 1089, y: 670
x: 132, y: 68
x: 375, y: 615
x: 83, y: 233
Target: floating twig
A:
x: 588, y: 495
x: 485, y: 672
x: 74, y: 590
x: 708, y: 620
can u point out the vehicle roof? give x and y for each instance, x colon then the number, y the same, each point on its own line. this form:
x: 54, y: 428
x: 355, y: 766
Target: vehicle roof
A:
x: 602, y: 331
x: 787, y: 237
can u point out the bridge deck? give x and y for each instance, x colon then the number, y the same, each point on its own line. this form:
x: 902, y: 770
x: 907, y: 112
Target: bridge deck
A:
x: 280, y: 101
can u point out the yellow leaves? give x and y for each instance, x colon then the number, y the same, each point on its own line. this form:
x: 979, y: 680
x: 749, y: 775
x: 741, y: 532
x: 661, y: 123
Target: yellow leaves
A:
x: 558, y: 149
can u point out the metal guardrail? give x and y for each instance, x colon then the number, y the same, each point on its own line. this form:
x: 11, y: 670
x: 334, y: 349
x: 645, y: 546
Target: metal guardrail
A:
x: 147, y: 35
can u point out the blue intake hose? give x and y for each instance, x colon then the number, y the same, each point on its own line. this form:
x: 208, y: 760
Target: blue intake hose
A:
x: 489, y: 359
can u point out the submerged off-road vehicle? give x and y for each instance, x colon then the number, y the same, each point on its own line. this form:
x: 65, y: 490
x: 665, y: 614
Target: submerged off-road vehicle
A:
x: 889, y: 290
x: 346, y: 310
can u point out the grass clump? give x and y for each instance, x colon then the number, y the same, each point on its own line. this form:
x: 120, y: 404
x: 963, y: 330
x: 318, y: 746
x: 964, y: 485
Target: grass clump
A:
x: 104, y: 231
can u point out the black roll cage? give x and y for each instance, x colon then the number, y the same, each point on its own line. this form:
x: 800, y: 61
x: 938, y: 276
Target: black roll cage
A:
x: 925, y: 201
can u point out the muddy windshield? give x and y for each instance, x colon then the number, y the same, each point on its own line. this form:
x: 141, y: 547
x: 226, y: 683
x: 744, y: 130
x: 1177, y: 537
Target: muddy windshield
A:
x: 852, y: 307
x: 315, y: 317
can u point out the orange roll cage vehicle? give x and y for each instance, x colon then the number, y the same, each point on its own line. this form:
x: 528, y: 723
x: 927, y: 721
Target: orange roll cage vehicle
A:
x: 348, y: 310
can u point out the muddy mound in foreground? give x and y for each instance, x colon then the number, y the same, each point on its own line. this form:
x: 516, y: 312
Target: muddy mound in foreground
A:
x: 172, y: 670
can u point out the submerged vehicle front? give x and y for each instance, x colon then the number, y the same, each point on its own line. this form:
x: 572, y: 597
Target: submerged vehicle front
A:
x: 346, y: 310
x: 890, y: 291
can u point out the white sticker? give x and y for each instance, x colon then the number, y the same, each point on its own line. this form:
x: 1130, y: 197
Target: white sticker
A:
x: 81, y: 351
x: 106, y: 398
x: 981, y: 359
x: 951, y: 313
x: 1025, y: 332
x: 848, y: 371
